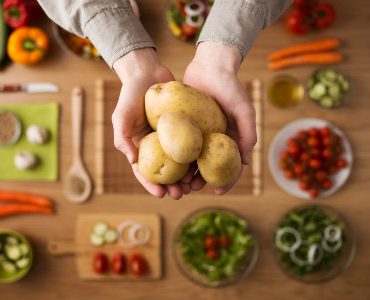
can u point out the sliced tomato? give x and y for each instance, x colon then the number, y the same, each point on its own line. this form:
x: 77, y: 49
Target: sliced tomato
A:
x: 210, y: 242
x: 138, y: 265
x: 118, y: 264
x: 100, y: 262
x: 225, y: 241
x: 212, y: 254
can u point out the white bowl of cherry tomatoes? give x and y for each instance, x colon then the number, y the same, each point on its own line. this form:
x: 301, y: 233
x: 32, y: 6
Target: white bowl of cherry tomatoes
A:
x: 310, y: 158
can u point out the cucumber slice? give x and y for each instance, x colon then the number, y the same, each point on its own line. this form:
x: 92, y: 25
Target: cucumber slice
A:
x: 13, y: 252
x: 100, y: 228
x: 8, y: 267
x: 111, y: 236
x: 334, y: 91
x: 24, y: 249
x: 318, y: 90
x: 327, y: 102
x: 96, y: 240
x: 22, y: 263
x: 11, y: 240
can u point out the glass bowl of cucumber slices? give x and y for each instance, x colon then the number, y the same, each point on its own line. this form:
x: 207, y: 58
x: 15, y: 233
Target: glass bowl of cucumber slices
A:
x: 327, y: 88
x: 15, y: 256
x: 314, y: 243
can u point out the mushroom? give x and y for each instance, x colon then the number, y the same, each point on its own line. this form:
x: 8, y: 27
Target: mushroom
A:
x: 37, y: 134
x: 25, y: 160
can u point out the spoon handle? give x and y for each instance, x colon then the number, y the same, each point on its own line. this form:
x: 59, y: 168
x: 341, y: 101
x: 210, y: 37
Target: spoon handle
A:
x: 77, y: 105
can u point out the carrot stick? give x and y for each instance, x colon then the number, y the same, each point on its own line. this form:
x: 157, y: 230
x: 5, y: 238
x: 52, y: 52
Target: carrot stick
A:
x: 314, y: 59
x: 20, y: 197
x: 314, y: 46
x: 16, y: 209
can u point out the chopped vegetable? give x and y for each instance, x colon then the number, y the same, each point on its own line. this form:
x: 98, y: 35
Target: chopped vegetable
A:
x: 15, y: 254
x: 327, y: 88
x: 319, y: 58
x: 102, y: 234
x: 315, y: 252
x: 202, y: 245
x: 313, y: 46
x: 138, y: 265
x: 137, y: 234
x: 100, y: 263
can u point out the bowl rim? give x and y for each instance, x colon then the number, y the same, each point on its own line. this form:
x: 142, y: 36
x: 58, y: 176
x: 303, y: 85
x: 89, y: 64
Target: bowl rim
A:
x: 255, y: 250
x: 352, y: 248
x: 22, y: 273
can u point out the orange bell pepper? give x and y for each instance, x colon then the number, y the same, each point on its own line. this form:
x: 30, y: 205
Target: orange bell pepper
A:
x: 27, y: 45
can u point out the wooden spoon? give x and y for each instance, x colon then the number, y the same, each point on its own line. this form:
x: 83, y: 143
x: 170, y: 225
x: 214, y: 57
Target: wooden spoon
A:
x: 78, y: 185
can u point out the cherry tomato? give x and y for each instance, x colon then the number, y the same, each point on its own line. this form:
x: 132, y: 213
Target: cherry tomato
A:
x: 313, y: 142
x: 212, y: 254
x: 293, y: 150
x: 321, y: 176
x: 325, y: 132
x: 298, y: 169
x: 314, y: 193
x: 327, y: 153
x: 283, y: 165
x: 315, y: 163
x: 327, y: 184
x: 314, y: 131
x: 324, y: 15
x: 225, y: 241
x: 302, y: 135
x: 315, y: 152
x: 118, y: 264
x: 188, y: 30
x: 210, y: 242
x: 304, y: 156
x: 298, y: 22
x: 304, y: 186
x: 341, y: 163
x: 138, y: 265
x: 284, y: 155
x: 332, y: 169
x: 305, y: 177
x: 289, y: 174
x: 100, y: 262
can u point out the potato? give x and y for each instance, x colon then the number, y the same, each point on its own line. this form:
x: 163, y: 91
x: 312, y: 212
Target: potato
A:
x: 180, y: 138
x: 219, y: 162
x: 176, y: 97
x: 155, y: 165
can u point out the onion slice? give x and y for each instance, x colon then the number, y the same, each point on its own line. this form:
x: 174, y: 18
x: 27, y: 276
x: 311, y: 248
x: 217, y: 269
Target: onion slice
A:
x: 329, y: 248
x: 133, y: 229
x: 194, y: 8
x: 332, y: 233
x: 287, y: 230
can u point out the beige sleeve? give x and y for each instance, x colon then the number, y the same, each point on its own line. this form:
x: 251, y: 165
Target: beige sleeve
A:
x: 110, y: 24
x: 238, y: 22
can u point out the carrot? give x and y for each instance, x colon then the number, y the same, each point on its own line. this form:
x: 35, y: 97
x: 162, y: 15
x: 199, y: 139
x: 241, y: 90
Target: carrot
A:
x: 314, y: 46
x: 16, y: 209
x: 20, y: 197
x: 314, y: 59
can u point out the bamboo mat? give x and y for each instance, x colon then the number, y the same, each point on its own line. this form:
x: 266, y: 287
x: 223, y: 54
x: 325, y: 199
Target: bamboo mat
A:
x: 113, y: 172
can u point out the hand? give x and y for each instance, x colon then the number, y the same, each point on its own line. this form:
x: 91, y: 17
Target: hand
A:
x: 214, y: 72
x: 138, y: 70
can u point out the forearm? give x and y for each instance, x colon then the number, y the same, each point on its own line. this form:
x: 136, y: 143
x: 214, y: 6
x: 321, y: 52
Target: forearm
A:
x: 110, y: 24
x: 237, y: 23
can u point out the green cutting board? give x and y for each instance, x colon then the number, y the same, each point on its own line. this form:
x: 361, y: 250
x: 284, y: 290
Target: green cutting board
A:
x: 46, y: 115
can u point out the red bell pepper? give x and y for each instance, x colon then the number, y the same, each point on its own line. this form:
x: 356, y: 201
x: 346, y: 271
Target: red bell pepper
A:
x: 19, y: 13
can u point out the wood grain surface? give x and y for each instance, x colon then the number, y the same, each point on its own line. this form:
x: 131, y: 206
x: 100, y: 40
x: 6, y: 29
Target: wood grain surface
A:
x: 53, y: 278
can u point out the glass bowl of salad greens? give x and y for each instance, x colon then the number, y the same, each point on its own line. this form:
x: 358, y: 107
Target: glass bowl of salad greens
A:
x: 314, y: 243
x: 15, y: 256
x: 214, y: 247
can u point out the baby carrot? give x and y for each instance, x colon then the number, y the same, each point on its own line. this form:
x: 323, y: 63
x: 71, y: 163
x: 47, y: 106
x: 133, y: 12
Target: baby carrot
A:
x: 21, y: 197
x: 314, y: 59
x: 16, y: 209
x: 314, y: 46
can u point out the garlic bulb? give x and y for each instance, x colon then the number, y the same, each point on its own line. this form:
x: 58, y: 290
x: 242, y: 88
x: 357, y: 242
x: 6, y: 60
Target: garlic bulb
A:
x: 37, y: 134
x: 25, y: 160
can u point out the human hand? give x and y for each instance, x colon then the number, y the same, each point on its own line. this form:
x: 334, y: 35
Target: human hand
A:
x: 214, y: 72
x: 138, y: 70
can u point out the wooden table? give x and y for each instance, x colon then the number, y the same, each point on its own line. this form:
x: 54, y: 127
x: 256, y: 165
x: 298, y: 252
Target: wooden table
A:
x: 54, y: 278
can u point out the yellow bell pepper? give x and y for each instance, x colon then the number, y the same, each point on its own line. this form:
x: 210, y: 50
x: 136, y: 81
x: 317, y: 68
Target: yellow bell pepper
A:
x: 27, y: 45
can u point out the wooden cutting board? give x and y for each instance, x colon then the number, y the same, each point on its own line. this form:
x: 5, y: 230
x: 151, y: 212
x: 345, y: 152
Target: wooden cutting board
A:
x: 114, y: 173
x: 82, y: 249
